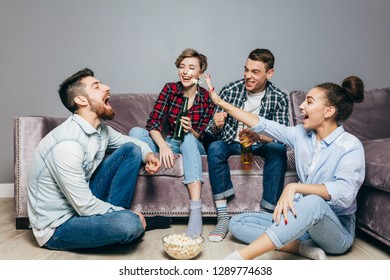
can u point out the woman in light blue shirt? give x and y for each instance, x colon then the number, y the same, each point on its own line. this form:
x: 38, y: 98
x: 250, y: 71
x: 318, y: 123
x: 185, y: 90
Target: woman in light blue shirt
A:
x: 316, y: 215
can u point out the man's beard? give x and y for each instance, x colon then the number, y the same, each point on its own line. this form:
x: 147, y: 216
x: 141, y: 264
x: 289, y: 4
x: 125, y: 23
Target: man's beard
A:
x: 107, y: 114
x: 101, y: 111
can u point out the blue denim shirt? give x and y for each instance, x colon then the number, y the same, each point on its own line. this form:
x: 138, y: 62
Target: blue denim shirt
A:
x: 63, y: 163
x: 340, y: 167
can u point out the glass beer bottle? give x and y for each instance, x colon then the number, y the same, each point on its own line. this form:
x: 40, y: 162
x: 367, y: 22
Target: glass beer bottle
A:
x: 179, y: 130
x: 246, y: 154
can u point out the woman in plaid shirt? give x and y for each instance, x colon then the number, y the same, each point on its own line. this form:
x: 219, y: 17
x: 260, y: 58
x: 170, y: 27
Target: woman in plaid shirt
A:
x: 191, y: 66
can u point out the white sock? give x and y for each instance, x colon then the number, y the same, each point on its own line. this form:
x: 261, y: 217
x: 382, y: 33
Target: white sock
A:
x: 310, y: 250
x: 233, y: 256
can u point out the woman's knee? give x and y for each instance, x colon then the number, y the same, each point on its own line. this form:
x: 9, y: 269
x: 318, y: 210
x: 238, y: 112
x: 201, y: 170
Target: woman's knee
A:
x: 313, y: 199
x: 190, y: 144
x: 235, y: 224
x: 138, y: 132
x: 313, y: 202
x: 189, y: 139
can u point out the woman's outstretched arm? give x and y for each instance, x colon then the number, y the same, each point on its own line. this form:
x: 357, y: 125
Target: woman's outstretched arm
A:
x: 247, y: 118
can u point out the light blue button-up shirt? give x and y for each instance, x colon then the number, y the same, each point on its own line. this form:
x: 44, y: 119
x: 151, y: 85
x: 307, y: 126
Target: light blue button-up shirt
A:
x: 60, y: 170
x: 340, y: 166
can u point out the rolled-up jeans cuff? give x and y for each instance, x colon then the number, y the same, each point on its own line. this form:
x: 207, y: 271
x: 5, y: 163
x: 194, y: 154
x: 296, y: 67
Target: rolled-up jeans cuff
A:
x: 274, y: 238
x: 224, y: 194
x: 267, y: 205
x: 193, y: 181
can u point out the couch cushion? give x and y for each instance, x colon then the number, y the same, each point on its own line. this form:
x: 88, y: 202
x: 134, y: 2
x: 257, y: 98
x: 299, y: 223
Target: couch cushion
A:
x: 131, y: 110
x: 296, y: 98
x: 369, y: 118
x: 176, y: 171
x: 236, y: 167
x: 377, y: 154
x: 235, y: 164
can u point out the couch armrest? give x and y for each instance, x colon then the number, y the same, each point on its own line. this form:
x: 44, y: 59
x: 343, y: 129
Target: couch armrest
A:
x: 28, y: 132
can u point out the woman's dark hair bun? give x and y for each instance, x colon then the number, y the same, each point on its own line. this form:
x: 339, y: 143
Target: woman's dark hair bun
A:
x: 355, y: 88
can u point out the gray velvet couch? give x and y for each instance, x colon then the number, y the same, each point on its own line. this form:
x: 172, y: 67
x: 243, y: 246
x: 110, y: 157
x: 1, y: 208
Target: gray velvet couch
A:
x: 158, y: 194
x: 164, y: 194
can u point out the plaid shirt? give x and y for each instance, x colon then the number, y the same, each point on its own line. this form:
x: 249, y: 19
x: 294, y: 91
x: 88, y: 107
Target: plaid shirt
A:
x: 169, y: 105
x: 274, y: 106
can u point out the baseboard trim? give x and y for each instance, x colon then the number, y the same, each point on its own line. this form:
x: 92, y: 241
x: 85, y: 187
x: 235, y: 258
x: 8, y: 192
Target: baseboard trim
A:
x: 6, y: 190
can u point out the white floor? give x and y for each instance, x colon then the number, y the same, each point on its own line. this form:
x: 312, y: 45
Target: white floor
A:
x: 21, y: 245
x: 6, y: 190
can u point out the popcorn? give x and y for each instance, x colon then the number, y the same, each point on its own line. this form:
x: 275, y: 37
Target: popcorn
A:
x: 182, y: 247
x: 197, y: 81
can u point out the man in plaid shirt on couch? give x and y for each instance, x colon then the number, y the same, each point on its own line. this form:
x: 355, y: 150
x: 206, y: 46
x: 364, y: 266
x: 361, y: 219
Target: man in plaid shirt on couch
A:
x: 254, y: 93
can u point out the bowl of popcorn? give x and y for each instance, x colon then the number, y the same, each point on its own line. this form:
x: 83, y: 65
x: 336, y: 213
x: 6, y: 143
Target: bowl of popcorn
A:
x: 182, y: 247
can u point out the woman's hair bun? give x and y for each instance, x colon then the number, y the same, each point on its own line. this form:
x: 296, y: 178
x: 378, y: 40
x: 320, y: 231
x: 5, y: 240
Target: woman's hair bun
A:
x: 355, y: 88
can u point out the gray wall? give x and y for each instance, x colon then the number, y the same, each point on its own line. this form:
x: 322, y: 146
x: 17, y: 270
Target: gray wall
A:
x: 132, y: 45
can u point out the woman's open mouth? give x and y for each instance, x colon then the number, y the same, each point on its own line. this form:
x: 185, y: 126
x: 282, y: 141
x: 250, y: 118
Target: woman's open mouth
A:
x: 186, y: 78
x: 304, y: 117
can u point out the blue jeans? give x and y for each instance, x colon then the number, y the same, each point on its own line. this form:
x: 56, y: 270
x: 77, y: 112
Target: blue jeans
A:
x: 190, y: 149
x: 315, y: 220
x: 275, y: 163
x: 113, y: 182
